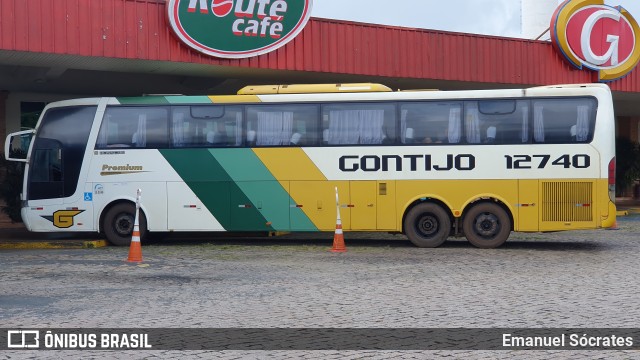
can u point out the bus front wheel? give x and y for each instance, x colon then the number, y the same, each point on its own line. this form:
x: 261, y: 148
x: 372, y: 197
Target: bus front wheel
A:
x: 427, y: 225
x: 118, y: 223
x: 486, y: 225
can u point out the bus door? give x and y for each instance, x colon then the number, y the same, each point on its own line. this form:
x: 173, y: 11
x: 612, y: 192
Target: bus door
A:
x: 373, y: 205
x: 46, y: 180
x: 363, y: 205
x: 46, y: 190
x: 528, y: 205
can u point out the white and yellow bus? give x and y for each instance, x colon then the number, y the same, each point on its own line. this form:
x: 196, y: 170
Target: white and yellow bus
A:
x: 429, y: 164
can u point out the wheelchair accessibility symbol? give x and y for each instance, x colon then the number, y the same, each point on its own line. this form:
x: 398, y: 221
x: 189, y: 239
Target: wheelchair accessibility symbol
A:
x: 88, y: 196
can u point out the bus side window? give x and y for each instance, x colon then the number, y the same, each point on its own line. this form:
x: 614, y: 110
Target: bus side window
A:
x: 432, y: 122
x: 206, y: 126
x: 359, y: 124
x: 564, y: 120
x: 113, y: 134
x: 282, y: 125
x: 133, y: 127
x: 497, y: 121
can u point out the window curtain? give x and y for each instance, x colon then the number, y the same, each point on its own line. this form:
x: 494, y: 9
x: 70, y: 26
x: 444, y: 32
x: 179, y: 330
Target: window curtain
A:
x: 343, y: 127
x: 538, y: 123
x: 403, y: 126
x: 178, y: 130
x: 582, y: 133
x: 103, y: 137
x: 140, y: 137
x: 525, y: 124
x: 274, y: 128
x: 356, y: 126
x: 472, y: 124
x: 371, y: 122
x: 455, y: 128
x: 239, y: 128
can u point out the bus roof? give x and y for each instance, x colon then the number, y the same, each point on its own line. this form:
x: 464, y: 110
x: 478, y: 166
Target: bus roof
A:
x: 337, y: 92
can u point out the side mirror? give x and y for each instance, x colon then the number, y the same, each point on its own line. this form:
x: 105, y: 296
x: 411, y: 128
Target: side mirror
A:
x: 17, y: 144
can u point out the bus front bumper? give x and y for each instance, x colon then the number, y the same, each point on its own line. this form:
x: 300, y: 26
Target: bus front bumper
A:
x: 26, y: 220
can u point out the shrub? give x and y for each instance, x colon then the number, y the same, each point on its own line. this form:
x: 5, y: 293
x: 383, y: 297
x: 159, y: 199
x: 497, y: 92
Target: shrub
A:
x: 627, y: 164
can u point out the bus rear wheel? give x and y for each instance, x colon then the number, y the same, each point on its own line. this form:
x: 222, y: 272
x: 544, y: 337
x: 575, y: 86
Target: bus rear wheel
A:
x: 486, y: 226
x: 118, y: 223
x: 427, y: 225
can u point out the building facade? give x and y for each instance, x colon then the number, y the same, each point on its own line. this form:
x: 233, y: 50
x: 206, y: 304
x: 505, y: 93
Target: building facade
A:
x: 51, y: 50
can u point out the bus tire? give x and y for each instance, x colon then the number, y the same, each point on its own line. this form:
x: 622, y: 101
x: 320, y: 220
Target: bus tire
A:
x: 486, y: 225
x: 118, y: 222
x: 427, y: 225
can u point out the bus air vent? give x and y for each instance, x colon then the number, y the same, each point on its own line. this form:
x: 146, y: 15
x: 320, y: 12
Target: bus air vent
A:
x: 567, y: 201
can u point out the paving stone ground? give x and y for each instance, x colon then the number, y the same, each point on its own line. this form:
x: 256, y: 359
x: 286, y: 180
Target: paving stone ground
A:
x: 581, y: 279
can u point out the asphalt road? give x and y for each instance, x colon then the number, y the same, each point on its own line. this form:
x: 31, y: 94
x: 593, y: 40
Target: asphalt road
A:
x: 581, y: 279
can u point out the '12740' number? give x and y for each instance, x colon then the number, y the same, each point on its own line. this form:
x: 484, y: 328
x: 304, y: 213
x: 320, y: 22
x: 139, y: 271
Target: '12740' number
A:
x: 579, y: 161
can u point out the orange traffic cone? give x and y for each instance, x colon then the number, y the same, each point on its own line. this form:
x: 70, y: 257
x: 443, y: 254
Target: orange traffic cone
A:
x: 338, y: 239
x: 135, y: 250
x: 338, y: 236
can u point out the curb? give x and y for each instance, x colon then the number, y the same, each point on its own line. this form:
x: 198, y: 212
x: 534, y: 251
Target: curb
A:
x: 66, y: 244
x: 630, y: 211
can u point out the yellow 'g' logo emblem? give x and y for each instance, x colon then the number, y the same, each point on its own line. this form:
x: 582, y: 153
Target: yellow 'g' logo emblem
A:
x: 63, y: 218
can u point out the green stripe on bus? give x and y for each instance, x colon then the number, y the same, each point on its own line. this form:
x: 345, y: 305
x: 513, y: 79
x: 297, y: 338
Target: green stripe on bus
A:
x: 177, y: 99
x: 216, y: 189
x: 266, y: 193
x: 143, y: 100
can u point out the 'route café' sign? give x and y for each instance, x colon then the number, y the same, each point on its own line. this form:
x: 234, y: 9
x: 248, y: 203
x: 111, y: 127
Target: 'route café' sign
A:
x: 597, y: 36
x: 237, y: 28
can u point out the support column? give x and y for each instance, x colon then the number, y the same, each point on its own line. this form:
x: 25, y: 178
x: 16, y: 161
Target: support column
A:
x: 3, y: 117
x: 634, y: 131
x: 5, y: 221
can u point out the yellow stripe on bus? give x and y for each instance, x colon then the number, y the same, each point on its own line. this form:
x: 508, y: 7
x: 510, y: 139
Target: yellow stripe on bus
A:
x: 231, y: 99
x: 290, y: 164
